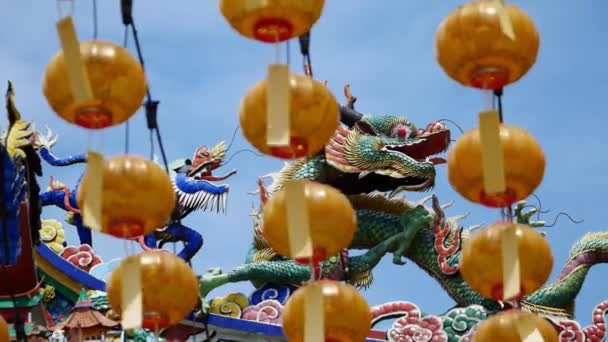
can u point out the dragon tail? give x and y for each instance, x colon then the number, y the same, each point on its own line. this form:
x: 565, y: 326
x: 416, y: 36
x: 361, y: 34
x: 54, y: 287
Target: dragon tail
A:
x: 557, y: 299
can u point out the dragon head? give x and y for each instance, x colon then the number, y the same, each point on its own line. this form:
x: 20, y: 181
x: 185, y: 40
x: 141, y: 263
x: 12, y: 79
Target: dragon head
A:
x: 387, y: 152
x: 203, y: 162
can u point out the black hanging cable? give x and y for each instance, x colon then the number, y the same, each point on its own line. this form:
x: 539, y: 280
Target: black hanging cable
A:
x: 95, y: 29
x: 305, y: 51
x: 288, y: 53
x: 150, y: 105
x: 125, y: 44
x: 498, y: 97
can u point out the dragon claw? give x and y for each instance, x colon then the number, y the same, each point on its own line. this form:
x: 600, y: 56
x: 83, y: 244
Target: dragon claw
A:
x: 207, y: 283
x: 412, y: 221
x: 524, y: 217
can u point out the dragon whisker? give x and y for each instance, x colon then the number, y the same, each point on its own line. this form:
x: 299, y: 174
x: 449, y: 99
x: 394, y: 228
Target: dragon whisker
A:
x: 447, y: 205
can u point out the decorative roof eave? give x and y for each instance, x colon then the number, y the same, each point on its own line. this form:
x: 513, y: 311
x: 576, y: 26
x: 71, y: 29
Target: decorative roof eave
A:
x: 85, y: 315
x: 28, y: 294
x: 86, y: 318
x: 31, y: 329
x: 22, y: 302
x: 73, y: 277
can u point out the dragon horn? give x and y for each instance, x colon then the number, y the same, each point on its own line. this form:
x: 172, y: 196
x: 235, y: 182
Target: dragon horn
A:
x: 439, y: 215
x: 348, y: 115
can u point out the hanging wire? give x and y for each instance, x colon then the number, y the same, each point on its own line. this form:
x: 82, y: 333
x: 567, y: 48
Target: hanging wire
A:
x: 125, y: 44
x: 151, y: 144
x: 288, y: 53
x: 305, y: 51
x: 150, y: 105
x: 498, y: 98
x: 95, y: 28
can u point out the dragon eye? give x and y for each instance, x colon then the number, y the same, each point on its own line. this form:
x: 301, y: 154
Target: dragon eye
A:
x: 400, y: 132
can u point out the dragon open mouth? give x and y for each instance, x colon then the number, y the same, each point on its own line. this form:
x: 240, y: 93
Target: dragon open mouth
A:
x: 425, y: 148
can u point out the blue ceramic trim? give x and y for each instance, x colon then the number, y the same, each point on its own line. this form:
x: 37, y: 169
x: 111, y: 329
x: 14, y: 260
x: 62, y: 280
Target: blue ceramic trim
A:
x: 70, y: 270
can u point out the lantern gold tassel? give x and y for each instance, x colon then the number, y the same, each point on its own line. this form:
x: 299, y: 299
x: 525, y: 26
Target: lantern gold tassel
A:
x: 314, y: 316
x: 491, y: 153
x: 77, y: 74
x: 92, y: 208
x: 131, y: 295
x: 527, y: 330
x: 277, y: 93
x: 298, y: 223
x: 505, y: 21
x: 510, y: 263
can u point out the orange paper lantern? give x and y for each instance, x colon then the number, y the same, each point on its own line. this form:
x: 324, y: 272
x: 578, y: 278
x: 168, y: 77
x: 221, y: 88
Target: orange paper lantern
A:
x: 347, y: 315
x: 503, y: 327
x: 524, y: 163
x: 314, y: 117
x: 271, y: 21
x: 331, y: 216
x: 4, y: 335
x: 117, y: 82
x: 472, y: 49
x: 137, y: 197
x: 169, y: 288
x: 481, y: 260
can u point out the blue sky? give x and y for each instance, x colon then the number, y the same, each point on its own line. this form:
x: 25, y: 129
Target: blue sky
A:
x: 199, y: 69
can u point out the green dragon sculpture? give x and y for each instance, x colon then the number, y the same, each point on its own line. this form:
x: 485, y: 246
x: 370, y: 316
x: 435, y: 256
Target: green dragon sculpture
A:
x: 375, y: 156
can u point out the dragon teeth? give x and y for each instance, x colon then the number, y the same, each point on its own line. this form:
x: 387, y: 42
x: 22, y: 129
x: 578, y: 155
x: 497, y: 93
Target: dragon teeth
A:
x: 363, y: 174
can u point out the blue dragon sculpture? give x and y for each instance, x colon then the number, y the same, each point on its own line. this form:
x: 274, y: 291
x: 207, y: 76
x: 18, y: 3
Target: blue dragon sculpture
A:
x: 17, y: 169
x: 192, y: 182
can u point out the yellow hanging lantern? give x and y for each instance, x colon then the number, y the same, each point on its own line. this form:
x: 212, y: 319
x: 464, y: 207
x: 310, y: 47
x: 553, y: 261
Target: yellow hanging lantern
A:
x: 473, y: 50
x: 4, y: 335
x: 169, y: 288
x: 313, y: 117
x: 503, y: 327
x: 271, y: 21
x: 481, y: 260
x: 524, y: 163
x: 347, y: 314
x: 137, y: 196
x: 117, y: 82
x: 332, y: 221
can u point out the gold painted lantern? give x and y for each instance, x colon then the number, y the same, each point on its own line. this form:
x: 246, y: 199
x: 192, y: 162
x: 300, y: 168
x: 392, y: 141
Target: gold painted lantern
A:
x: 4, y: 334
x: 137, y: 196
x: 169, y: 288
x: 503, y: 327
x: 472, y: 49
x: 314, y: 117
x: 481, y: 260
x: 117, y: 81
x: 271, y: 21
x: 524, y: 163
x: 332, y: 221
x: 347, y: 314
